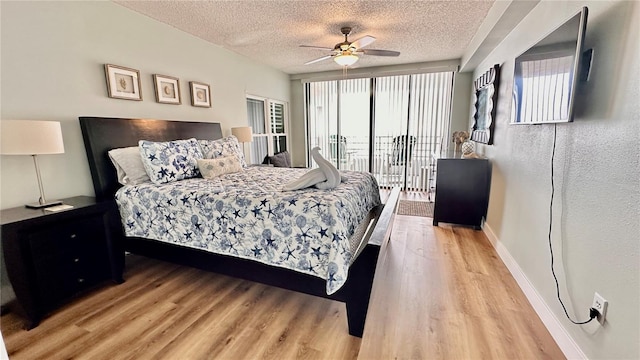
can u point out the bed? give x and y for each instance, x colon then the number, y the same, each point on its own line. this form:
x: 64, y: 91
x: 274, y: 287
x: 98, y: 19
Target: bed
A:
x: 348, y: 280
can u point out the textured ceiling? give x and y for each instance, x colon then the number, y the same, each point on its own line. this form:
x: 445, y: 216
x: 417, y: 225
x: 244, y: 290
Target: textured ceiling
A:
x: 270, y: 32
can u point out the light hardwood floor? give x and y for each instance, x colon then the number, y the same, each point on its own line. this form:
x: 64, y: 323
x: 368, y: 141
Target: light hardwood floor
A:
x: 439, y: 293
x: 443, y: 293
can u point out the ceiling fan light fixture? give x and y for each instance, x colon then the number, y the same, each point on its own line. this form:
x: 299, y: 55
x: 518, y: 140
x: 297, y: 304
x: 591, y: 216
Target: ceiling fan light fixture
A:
x: 345, y: 59
x: 344, y: 53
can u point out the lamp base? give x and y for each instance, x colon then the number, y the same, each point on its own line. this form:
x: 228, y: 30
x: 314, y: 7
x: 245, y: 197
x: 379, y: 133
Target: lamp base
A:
x: 47, y: 204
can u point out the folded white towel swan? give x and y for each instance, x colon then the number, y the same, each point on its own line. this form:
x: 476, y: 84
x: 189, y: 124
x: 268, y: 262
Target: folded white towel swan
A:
x: 326, y: 176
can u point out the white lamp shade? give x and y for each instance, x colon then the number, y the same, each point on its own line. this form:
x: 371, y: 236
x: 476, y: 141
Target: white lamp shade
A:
x: 244, y: 133
x: 30, y: 137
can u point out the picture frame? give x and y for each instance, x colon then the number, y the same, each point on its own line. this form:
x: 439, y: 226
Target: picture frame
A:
x: 200, y: 94
x: 167, y: 89
x: 123, y: 82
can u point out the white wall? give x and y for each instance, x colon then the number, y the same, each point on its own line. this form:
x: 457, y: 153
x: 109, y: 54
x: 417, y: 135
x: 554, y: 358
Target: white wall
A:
x: 462, y: 95
x: 597, y: 170
x: 52, y: 69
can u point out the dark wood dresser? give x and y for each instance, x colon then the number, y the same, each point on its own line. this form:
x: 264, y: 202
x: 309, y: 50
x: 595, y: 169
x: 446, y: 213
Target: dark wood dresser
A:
x: 462, y: 190
x: 52, y: 256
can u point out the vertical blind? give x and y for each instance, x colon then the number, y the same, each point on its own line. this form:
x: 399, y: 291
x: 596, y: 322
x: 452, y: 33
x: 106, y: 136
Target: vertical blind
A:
x: 354, y: 119
x: 322, y: 114
x: 411, y: 117
x: 256, y: 116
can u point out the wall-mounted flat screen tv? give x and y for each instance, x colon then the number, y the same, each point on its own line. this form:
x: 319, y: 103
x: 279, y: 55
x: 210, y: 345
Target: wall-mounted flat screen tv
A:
x: 546, y: 75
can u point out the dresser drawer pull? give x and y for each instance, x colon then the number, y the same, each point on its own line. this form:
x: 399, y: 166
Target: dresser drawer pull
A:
x: 80, y: 280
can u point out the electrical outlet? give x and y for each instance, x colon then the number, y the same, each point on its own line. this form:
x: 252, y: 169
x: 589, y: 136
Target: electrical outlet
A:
x: 600, y: 304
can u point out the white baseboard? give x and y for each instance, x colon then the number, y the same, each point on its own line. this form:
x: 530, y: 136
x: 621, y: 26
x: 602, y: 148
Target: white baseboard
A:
x: 568, y: 346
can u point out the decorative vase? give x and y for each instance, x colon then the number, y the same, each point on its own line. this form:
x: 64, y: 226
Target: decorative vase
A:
x: 468, y: 147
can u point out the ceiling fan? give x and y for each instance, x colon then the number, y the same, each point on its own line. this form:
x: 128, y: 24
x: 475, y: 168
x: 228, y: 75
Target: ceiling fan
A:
x: 346, y: 53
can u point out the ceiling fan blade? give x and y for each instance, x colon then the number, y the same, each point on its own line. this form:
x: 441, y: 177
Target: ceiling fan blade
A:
x: 363, y: 41
x: 376, y: 52
x: 316, y: 47
x: 318, y: 59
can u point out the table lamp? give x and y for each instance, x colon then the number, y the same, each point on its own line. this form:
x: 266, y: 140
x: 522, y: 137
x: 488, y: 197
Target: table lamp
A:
x: 32, y: 137
x: 244, y: 135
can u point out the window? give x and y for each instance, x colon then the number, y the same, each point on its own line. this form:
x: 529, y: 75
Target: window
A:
x: 269, y: 132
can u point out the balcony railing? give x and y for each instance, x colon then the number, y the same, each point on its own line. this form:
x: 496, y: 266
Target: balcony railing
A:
x: 393, y: 161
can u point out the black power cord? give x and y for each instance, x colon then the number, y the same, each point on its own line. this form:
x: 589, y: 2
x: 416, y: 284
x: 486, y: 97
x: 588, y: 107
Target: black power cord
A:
x: 593, y: 313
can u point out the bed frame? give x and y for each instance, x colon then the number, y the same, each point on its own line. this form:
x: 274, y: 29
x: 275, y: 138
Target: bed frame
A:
x: 103, y: 134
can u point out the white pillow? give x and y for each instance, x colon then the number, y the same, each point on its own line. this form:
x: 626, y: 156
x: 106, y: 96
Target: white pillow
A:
x: 128, y: 164
x: 213, y: 149
x: 212, y: 168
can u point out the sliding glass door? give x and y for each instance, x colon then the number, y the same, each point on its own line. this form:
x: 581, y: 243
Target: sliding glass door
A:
x: 428, y: 125
x: 322, y: 119
x: 390, y: 126
x: 338, y: 118
x: 354, y: 119
x: 391, y: 108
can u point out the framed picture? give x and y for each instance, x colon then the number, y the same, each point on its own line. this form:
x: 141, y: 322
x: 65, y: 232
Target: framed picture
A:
x: 123, y: 83
x: 200, y: 94
x: 167, y: 89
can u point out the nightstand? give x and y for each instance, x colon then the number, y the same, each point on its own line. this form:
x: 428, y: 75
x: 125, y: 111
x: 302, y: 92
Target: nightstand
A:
x: 53, y: 256
x: 462, y: 190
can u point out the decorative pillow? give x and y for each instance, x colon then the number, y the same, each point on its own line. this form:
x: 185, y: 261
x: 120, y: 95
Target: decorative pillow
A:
x: 211, y: 168
x: 170, y: 161
x: 212, y: 149
x: 280, y: 159
x: 128, y: 164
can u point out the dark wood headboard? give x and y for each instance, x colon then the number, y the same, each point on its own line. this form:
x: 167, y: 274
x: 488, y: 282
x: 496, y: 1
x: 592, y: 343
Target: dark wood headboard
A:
x: 103, y: 134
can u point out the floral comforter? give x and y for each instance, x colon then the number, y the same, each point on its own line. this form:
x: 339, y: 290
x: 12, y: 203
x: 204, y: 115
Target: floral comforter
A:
x: 247, y: 215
